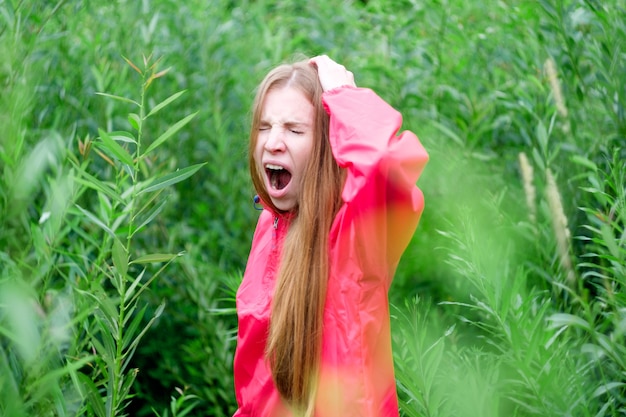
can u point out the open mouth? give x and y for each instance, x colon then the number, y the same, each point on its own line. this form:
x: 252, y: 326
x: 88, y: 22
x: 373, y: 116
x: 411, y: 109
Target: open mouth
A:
x: 279, y: 177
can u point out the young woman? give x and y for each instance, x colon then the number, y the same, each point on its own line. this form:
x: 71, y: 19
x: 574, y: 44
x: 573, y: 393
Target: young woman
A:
x: 337, y: 186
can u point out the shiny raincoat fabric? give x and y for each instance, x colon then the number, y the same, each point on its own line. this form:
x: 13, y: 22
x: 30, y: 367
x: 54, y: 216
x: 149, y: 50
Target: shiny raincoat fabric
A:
x: 381, y: 209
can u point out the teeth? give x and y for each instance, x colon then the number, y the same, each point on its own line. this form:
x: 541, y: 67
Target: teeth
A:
x: 274, y: 167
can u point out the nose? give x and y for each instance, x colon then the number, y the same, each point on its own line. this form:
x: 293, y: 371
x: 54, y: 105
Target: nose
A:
x: 275, y: 140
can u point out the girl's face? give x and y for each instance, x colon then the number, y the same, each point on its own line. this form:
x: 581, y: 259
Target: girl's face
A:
x: 284, y: 144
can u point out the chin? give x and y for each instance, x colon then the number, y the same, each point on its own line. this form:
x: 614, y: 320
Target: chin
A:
x: 284, y: 206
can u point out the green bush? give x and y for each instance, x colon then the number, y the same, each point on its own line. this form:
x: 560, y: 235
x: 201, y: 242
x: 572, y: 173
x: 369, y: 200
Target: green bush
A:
x: 509, y: 300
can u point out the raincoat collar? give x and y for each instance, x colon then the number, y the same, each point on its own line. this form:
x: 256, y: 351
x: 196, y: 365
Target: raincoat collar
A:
x: 260, y: 204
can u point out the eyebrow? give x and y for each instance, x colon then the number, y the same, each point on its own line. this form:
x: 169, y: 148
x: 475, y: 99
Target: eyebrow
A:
x: 287, y: 123
x: 296, y: 124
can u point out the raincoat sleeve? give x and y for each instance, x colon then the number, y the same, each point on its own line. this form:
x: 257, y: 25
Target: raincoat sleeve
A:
x: 382, y: 166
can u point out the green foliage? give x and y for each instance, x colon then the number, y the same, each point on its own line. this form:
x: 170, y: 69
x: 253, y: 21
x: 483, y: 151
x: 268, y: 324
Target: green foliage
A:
x: 124, y: 147
x: 72, y: 280
x: 126, y: 207
x: 532, y: 280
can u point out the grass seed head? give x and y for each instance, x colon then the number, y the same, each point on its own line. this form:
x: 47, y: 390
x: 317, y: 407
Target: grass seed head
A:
x: 529, y: 189
x: 559, y: 225
x: 557, y: 92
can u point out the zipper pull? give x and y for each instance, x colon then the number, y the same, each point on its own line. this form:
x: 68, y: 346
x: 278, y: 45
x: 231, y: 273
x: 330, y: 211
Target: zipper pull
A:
x: 275, y: 233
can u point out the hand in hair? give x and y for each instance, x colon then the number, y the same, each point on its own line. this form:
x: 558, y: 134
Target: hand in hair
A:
x: 332, y: 74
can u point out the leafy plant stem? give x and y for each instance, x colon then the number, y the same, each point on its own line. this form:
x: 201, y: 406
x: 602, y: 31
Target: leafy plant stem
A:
x: 124, y: 302
x: 568, y: 47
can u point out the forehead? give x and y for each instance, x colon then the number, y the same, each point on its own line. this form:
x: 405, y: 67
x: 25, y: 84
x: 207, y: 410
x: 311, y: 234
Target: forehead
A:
x: 287, y: 104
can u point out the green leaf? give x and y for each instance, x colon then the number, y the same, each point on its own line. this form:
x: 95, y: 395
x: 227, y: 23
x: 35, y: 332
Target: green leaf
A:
x: 602, y: 389
x: 119, y: 98
x: 129, y: 378
x: 581, y: 160
x: 107, y: 315
x: 123, y: 137
x: 189, y: 408
x: 105, y: 342
x: 610, y: 242
x: 110, y: 389
x: 129, y: 313
x: 96, y: 220
x: 134, y: 120
x: 131, y: 330
x: 131, y: 289
x: 111, y: 145
x: 564, y: 319
x: 93, y: 395
x: 539, y: 159
x: 172, y: 178
x: 449, y: 133
x: 165, y: 102
x: 53, y: 376
x: 120, y: 257
x: 94, y: 183
x: 542, y: 138
x: 151, y: 215
x: 136, y: 340
x: 106, y: 310
x: 168, y: 133
x: 155, y: 258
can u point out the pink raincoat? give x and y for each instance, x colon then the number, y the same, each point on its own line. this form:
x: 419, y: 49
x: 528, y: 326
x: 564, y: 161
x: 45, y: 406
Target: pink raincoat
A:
x: 382, y: 207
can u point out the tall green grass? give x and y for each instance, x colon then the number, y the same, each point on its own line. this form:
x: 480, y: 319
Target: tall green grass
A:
x: 509, y: 300
x: 534, y: 263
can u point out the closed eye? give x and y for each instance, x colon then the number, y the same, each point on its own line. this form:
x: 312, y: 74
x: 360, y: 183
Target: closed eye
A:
x: 295, y: 128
